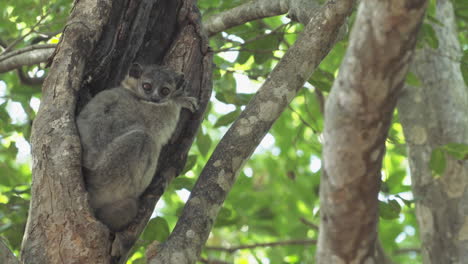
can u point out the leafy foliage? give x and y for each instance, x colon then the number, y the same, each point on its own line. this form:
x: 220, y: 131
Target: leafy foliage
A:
x: 276, y: 195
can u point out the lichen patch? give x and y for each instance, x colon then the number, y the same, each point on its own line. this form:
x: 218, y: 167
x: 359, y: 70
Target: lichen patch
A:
x: 244, y: 127
x: 417, y: 135
x: 217, y: 163
x: 268, y: 110
x: 237, y: 162
x: 224, y: 180
x: 463, y: 233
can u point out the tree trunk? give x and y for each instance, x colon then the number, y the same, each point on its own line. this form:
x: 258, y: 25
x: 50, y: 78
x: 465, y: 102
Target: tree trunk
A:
x: 358, y: 114
x: 99, y: 42
x: 434, y: 114
x: 219, y: 174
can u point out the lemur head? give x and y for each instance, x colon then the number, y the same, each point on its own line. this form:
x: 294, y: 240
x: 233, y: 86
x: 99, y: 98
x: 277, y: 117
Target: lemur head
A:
x: 154, y: 83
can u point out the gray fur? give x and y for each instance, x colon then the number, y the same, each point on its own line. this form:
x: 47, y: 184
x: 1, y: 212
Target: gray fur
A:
x: 122, y: 132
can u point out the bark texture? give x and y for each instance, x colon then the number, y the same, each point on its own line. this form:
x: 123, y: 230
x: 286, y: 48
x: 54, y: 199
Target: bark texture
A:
x: 100, y: 41
x: 434, y: 114
x: 31, y: 55
x: 357, y: 117
x: 298, y: 10
x: 218, y: 176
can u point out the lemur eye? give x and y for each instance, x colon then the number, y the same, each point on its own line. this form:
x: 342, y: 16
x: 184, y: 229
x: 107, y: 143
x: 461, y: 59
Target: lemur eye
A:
x: 147, y: 87
x: 165, y: 91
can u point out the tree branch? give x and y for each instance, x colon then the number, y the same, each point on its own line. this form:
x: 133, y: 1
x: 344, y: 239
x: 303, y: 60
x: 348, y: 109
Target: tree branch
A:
x: 186, y: 241
x: 402, y: 251
x: 3, y: 44
x: 299, y: 10
x: 270, y: 244
x: 309, y: 224
x: 358, y: 114
x: 433, y: 114
x: 31, y: 30
x: 6, y: 256
x: 212, y: 261
x: 25, y: 79
x: 30, y: 55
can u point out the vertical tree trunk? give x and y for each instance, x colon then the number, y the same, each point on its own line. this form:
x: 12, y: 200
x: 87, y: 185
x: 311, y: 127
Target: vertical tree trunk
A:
x: 100, y: 41
x: 357, y: 117
x: 433, y: 114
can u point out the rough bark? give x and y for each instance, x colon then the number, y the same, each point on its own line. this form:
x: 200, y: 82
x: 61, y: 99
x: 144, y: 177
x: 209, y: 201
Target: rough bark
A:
x: 218, y: 176
x: 357, y: 117
x: 434, y: 114
x: 100, y: 41
x: 298, y: 10
x: 59, y: 224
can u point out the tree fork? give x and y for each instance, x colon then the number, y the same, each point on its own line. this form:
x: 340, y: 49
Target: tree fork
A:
x: 99, y: 42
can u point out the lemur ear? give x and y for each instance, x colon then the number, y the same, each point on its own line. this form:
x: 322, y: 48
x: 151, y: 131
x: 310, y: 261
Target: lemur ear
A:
x: 180, y: 80
x: 135, y: 70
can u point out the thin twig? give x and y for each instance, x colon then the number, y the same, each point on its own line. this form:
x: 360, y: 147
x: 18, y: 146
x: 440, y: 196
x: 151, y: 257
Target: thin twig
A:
x: 321, y: 99
x: 272, y: 32
x: 231, y: 49
x: 251, y: 76
x: 26, y: 80
x: 302, y: 119
x: 407, y: 251
x: 271, y: 244
x: 31, y: 30
x: 213, y: 261
x: 309, y: 224
x: 3, y: 44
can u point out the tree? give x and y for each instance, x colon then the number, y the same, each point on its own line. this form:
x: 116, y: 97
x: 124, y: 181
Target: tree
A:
x: 99, y: 42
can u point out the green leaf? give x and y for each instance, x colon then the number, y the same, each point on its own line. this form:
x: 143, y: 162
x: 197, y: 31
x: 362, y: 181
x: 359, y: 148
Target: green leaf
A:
x: 226, y: 217
x: 224, y: 97
x: 226, y: 84
x: 431, y: 8
x: 412, y: 79
x: 457, y: 150
x: 243, y: 98
x: 183, y: 183
x: 12, y: 150
x: 434, y: 20
x: 322, y: 80
x: 265, y: 213
x: 234, y: 98
x: 429, y: 35
x: 156, y: 229
x: 227, y: 118
x: 462, y: 13
x: 464, y: 66
x: 9, y: 176
x: 243, y: 57
x: 221, y: 64
x: 437, y: 163
x: 263, y: 48
x: 203, y: 143
x: 191, y: 161
x: 389, y: 210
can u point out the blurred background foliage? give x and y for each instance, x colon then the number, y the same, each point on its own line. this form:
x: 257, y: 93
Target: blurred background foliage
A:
x: 275, y: 199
